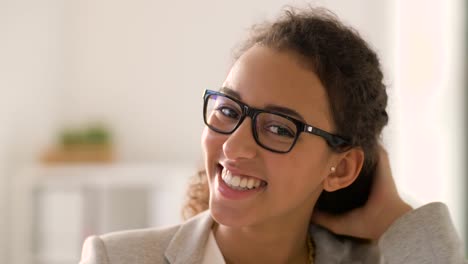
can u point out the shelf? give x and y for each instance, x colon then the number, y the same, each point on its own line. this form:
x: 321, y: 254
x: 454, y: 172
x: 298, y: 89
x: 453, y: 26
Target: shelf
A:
x: 58, y: 206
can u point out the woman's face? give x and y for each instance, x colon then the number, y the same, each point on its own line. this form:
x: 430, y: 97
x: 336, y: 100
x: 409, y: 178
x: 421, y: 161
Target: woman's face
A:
x: 289, y: 183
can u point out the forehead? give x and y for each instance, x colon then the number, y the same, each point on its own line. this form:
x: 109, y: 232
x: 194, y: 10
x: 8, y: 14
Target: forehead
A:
x: 263, y: 77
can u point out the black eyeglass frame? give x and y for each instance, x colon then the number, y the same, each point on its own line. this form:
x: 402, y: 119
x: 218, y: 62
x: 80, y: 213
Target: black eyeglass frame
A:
x: 334, y: 141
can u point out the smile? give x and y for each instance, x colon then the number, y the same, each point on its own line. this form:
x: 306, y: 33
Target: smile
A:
x: 240, y: 183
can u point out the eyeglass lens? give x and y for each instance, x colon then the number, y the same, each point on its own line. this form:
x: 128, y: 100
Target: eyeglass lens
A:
x: 271, y: 131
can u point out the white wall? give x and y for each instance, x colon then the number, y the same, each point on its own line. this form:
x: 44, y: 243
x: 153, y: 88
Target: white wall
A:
x: 31, y: 70
x: 429, y: 153
x: 4, y: 209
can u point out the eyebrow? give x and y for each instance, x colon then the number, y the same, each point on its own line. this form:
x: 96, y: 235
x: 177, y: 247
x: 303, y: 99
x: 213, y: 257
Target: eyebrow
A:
x: 284, y: 110
x: 269, y: 107
x: 230, y: 92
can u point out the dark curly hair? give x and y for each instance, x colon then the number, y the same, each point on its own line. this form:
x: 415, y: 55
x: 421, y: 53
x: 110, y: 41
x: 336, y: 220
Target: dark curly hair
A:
x: 350, y: 72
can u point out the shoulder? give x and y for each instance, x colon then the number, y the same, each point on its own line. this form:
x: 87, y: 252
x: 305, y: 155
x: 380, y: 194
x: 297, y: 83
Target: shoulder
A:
x: 332, y: 248
x: 426, y: 234
x: 139, y: 245
x: 142, y: 245
x: 150, y: 236
x: 133, y: 246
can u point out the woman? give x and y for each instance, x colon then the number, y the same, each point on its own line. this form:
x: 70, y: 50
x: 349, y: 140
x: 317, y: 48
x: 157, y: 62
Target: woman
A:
x: 294, y: 172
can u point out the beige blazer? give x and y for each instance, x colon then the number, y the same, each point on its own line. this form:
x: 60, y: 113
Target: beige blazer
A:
x: 425, y: 235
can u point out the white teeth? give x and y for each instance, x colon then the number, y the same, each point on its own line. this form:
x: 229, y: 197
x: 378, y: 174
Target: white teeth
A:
x: 243, y: 182
x: 228, y: 177
x: 256, y: 184
x: 250, y: 183
x: 238, y: 182
x: 235, y: 181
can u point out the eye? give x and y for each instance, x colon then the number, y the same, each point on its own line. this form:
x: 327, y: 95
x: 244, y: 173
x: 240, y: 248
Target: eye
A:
x: 228, y: 112
x: 280, y: 131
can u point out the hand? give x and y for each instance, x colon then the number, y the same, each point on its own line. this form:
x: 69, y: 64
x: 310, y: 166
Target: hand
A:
x: 383, y: 207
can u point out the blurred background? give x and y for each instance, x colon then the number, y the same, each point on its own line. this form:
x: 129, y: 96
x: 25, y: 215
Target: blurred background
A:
x: 100, y: 108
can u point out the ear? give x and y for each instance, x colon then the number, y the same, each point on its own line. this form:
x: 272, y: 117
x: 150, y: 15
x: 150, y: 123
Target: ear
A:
x: 348, y: 166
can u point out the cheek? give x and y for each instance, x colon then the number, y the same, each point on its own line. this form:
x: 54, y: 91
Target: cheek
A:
x: 204, y: 139
x: 312, y: 159
x: 298, y: 173
x: 212, y: 145
x: 207, y: 144
x: 210, y: 142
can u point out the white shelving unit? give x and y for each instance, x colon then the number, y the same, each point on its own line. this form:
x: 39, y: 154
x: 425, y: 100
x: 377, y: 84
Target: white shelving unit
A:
x: 56, y: 208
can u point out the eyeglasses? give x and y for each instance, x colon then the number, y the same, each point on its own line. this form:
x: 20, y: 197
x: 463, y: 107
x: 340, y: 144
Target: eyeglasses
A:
x: 273, y: 131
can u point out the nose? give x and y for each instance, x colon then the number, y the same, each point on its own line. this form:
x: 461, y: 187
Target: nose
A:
x: 241, y: 143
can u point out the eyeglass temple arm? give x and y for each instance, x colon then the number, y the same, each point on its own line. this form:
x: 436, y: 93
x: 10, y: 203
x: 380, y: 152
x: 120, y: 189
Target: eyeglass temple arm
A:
x: 332, y: 140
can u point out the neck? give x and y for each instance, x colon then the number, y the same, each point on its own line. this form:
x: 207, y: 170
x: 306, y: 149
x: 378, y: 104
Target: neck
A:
x: 273, y: 242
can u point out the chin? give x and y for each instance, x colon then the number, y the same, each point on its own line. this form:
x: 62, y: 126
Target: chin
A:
x: 230, y: 216
x: 233, y: 208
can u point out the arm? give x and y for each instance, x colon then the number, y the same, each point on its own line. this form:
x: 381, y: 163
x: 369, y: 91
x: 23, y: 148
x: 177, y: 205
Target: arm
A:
x: 94, y: 251
x: 424, y: 235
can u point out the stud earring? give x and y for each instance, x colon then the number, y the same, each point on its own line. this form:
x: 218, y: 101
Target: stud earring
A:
x: 333, y: 169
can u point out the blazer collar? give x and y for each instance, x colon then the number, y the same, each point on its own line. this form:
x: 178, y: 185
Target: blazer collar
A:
x: 188, y: 243
x: 187, y: 246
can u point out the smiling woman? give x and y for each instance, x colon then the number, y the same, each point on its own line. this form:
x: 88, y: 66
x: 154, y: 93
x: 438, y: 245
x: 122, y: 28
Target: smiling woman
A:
x: 294, y: 171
